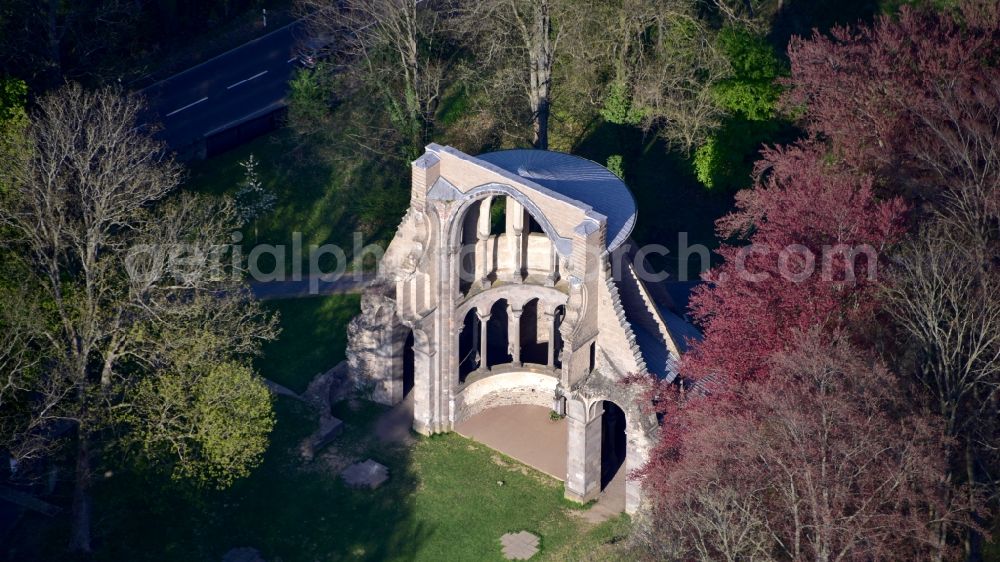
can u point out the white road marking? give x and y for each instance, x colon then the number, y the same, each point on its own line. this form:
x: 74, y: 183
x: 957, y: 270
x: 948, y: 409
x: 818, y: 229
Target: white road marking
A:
x: 293, y: 59
x: 178, y: 110
x: 258, y: 75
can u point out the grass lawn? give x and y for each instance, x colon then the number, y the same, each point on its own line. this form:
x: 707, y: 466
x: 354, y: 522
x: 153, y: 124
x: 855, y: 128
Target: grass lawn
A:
x: 442, y: 502
x: 326, y: 202
x: 313, y: 338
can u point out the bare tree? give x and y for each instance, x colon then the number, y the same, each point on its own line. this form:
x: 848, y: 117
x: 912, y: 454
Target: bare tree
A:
x: 521, y: 40
x: 124, y: 286
x: 673, y: 86
x: 658, y: 62
x: 392, y: 46
x: 945, y: 296
x: 747, y: 14
x: 712, y: 522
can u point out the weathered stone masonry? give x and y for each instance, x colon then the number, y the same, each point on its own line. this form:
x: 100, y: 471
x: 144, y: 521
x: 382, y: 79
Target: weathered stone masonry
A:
x: 501, y: 287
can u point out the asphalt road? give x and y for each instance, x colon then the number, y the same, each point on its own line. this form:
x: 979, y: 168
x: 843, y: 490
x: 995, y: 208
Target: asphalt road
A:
x: 249, y: 80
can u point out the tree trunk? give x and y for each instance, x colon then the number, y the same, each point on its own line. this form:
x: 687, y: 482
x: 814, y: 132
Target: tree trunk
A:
x: 80, y: 535
x: 972, y: 538
x: 540, y: 59
x: 541, y: 125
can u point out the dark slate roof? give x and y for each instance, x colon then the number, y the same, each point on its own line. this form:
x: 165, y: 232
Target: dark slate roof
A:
x: 578, y: 179
x: 682, y: 330
x: 654, y: 352
x: 680, y: 293
x: 647, y: 334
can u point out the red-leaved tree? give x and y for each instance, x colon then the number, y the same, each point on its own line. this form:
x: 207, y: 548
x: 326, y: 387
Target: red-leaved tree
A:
x: 822, y: 462
x: 781, y: 445
x: 816, y: 234
x: 915, y: 100
x: 912, y: 99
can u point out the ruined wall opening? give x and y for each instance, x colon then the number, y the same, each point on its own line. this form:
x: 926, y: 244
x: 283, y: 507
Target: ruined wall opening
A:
x: 500, y: 239
x: 467, y: 255
x: 468, y: 346
x: 532, y: 330
x: 498, y: 335
x: 409, y: 367
x: 613, y: 443
x: 498, y: 215
x: 534, y: 227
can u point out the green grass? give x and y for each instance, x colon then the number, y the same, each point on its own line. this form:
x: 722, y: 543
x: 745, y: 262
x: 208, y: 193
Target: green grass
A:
x: 326, y: 201
x: 442, y: 502
x: 313, y: 338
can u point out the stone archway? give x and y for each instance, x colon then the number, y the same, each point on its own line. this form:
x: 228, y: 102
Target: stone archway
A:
x: 500, y: 233
x: 498, y: 335
x: 609, y: 437
x: 468, y: 345
x: 614, y: 442
x: 534, y: 349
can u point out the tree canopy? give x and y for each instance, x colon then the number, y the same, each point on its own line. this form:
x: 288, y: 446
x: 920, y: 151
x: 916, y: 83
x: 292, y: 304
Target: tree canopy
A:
x: 129, y: 326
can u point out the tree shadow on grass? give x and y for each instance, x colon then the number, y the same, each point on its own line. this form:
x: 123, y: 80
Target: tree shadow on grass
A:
x: 325, y: 201
x: 286, y: 509
x: 313, y: 338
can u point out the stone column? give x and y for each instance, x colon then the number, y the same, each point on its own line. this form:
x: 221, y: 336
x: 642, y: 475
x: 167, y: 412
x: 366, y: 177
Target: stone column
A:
x: 583, y: 453
x: 518, y: 266
x: 424, y: 389
x: 482, y: 237
x: 550, y: 325
x: 515, y: 222
x: 457, y: 342
x: 636, y: 455
x: 453, y: 265
x: 483, y: 321
x: 514, y: 333
x: 553, y: 276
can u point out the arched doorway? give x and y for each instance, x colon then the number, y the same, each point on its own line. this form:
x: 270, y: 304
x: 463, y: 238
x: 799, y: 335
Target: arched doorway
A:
x: 468, y: 346
x: 498, y: 335
x: 613, y: 442
x: 557, y: 342
x: 532, y: 350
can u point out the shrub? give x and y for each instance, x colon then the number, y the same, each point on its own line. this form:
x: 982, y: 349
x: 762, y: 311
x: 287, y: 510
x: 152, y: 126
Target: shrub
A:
x: 617, y: 165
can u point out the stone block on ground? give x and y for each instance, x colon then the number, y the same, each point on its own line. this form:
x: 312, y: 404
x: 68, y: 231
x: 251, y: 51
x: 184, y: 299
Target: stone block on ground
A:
x: 329, y: 428
x: 325, y: 388
x: 519, y: 546
x: 367, y: 474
